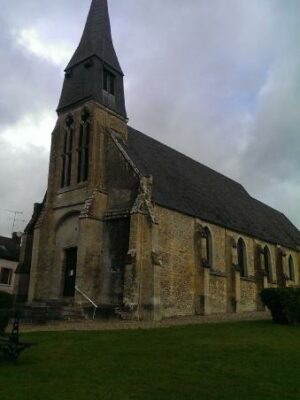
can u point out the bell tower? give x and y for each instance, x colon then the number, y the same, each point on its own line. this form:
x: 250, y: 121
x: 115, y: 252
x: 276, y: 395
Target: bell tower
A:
x: 94, y: 72
x: 71, y: 251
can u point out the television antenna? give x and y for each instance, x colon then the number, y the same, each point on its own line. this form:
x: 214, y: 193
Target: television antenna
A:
x: 15, y: 218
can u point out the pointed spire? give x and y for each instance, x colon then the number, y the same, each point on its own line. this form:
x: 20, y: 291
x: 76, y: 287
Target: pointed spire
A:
x: 96, y: 39
x: 94, y: 72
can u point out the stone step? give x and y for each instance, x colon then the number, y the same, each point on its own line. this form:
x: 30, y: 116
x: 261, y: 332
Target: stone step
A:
x: 73, y: 313
x: 54, y: 310
x: 41, y: 312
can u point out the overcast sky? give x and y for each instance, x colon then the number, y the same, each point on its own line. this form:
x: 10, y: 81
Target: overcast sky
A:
x: 216, y: 79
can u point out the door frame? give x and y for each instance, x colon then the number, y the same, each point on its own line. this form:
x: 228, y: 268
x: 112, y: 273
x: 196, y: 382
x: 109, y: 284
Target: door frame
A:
x: 65, y: 289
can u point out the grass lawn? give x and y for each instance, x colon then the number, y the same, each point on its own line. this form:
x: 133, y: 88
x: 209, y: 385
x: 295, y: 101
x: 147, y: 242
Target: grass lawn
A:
x: 244, y: 360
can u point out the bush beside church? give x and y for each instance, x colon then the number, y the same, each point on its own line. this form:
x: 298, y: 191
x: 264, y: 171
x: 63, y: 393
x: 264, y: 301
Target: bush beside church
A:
x: 284, y: 304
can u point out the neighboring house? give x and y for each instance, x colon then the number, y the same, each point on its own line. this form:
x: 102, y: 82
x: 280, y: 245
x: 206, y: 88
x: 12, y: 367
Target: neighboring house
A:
x: 135, y: 225
x: 9, y: 258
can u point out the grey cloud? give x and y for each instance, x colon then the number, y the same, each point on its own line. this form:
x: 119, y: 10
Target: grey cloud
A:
x: 201, y: 79
x: 195, y: 71
x: 275, y: 144
x: 28, y: 84
x: 23, y: 181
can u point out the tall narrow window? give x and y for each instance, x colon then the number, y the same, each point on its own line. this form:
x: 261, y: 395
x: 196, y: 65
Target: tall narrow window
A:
x: 70, y: 272
x: 291, y: 271
x: 268, y: 263
x: 83, y: 148
x: 242, y: 258
x: 67, y: 154
x: 207, y: 247
x: 108, y: 82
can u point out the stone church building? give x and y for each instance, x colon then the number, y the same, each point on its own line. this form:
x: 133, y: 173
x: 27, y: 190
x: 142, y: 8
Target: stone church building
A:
x: 134, y: 225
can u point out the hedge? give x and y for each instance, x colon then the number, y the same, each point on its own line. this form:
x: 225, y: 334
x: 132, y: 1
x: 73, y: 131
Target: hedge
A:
x: 284, y: 304
x: 6, y: 305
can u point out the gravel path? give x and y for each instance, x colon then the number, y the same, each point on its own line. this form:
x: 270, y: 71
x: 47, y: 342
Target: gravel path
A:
x: 100, y: 325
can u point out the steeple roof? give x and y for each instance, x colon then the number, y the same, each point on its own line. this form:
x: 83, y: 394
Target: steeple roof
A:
x: 94, y: 72
x: 96, y: 39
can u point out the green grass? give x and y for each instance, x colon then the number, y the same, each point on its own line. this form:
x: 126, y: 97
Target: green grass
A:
x: 246, y: 360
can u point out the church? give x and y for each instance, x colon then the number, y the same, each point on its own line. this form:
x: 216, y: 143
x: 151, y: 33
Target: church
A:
x: 131, y: 225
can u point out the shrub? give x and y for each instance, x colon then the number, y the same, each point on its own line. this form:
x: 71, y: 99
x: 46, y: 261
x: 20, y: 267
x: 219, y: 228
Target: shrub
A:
x: 6, y: 304
x: 284, y: 304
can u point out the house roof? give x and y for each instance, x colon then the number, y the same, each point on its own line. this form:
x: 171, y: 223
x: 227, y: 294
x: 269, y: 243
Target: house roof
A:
x: 185, y: 185
x: 96, y: 39
x: 9, y: 249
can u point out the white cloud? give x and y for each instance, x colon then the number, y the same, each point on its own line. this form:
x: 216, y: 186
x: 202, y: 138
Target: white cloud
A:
x: 23, y: 181
x: 283, y: 196
x: 218, y: 80
x: 56, y: 53
x: 31, y: 129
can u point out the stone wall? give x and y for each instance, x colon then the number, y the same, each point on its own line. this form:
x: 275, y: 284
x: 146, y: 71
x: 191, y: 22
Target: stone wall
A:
x: 218, y: 294
x: 174, y: 243
x: 248, y: 296
x: 186, y: 287
x: 114, y: 257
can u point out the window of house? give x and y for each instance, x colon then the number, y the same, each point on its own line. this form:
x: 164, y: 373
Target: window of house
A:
x: 242, y: 257
x: 291, y: 271
x: 67, y: 154
x: 268, y: 263
x: 83, y: 148
x: 108, y: 82
x: 5, y: 276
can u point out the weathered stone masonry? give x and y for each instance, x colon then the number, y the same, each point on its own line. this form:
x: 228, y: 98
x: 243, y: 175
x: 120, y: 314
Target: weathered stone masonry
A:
x: 135, y: 226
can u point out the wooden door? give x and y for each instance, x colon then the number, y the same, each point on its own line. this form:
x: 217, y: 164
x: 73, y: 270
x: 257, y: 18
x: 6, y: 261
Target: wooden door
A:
x: 70, y: 271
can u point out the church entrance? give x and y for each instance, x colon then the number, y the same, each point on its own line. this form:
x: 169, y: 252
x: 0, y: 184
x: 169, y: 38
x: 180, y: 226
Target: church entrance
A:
x: 70, y: 272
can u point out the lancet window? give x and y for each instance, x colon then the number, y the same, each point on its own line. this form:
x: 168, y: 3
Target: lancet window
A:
x: 67, y: 153
x: 268, y: 263
x: 242, y: 257
x: 291, y: 271
x: 83, y: 148
x: 207, y: 250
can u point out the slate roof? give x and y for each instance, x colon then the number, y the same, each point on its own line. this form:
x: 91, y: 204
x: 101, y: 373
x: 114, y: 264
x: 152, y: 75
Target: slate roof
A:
x: 9, y: 249
x: 187, y: 186
x: 96, y: 38
x: 85, y: 72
